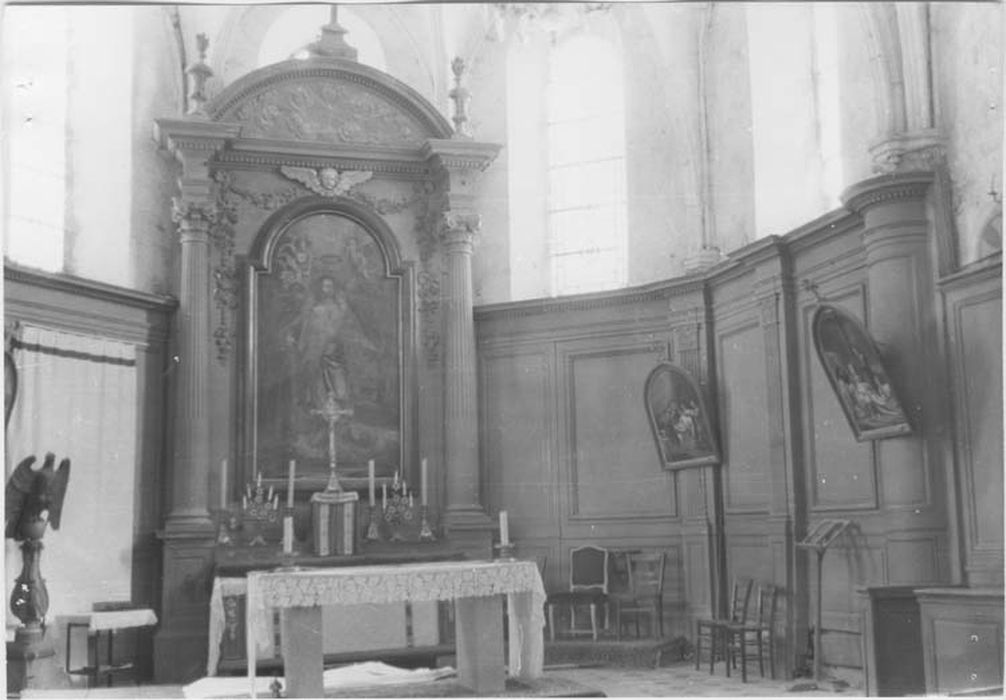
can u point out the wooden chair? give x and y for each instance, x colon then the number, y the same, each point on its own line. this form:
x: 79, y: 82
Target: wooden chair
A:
x: 588, y: 587
x: 646, y: 593
x: 758, y: 632
x: 709, y: 628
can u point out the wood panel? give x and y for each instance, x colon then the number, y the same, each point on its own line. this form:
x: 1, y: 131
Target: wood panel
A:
x: 743, y: 404
x: 517, y: 434
x: 613, y: 466
x: 974, y: 334
x: 842, y: 471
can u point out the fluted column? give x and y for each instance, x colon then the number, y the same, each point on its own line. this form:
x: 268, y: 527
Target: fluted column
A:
x: 461, y: 446
x: 189, y: 491
x: 180, y: 642
x: 458, y: 163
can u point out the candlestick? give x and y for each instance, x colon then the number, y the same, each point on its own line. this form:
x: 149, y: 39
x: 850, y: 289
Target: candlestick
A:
x: 223, y: 484
x: 504, y: 529
x: 424, y: 488
x: 370, y: 481
x: 289, y: 488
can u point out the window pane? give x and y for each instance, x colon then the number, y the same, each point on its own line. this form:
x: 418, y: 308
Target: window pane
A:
x: 586, y: 184
x: 585, y: 229
x: 592, y: 138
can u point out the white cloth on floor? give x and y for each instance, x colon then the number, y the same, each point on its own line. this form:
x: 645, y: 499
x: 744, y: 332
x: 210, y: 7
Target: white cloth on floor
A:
x: 359, y: 675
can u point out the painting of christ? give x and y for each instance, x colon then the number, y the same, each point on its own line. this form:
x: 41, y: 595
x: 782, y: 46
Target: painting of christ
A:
x: 328, y: 333
x: 678, y: 418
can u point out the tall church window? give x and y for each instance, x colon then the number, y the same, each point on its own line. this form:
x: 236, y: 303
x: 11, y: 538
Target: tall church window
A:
x: 35, y: 123
x: 586, y: 166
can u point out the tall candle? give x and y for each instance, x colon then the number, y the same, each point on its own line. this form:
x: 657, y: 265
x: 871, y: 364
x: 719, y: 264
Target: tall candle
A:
x: 289, y: 486
x: 370, y: 481
x: 423, y: 483
x: 384, y: 496
x: 288, y: 534
x: 504, y: 528
x: 223, y: 484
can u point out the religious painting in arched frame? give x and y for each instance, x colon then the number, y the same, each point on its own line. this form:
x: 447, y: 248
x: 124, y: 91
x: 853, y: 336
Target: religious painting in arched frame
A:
x: 330, y: 318
x: 851, y: 361
x: 679, y: 418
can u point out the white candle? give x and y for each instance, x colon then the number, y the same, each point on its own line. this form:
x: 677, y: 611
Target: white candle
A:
x: 289, y: 486
x: 288, y: 534
x: 275, y: 502
x: 423, y: 483
x: 269, y: 497
x: 410, y: 500
x: 258, y: 482
x: 223, y: 484
x: 244, y: 502
x: 504, y: 529
x: 384, y: 496
x: 370, y: 481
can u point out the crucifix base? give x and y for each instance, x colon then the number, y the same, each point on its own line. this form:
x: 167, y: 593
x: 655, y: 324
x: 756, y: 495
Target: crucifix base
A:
x: 333, y: 520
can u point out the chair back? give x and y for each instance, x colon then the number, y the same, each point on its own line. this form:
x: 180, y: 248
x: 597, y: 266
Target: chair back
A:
x: 740, y: 598
x: 767, y: 597
x: 646, y: 574
x: 588, y: 568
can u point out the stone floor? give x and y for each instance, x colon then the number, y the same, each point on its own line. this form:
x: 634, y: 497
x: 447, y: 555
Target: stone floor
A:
x: 679, y: 680
x: 682, y: 680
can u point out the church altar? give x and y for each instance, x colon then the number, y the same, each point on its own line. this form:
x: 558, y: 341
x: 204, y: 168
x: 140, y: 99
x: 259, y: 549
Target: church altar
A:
x: 475, y: 587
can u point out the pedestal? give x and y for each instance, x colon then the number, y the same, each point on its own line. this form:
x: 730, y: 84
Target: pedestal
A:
x: 32, y: 662
x: 333, y: 520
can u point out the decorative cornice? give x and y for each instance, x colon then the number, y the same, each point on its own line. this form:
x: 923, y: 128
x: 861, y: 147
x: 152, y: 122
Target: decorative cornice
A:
x: 91, y: 289
x: 456, y: 154
x: 193, y: 134
x: 259, y: 154
x: 659, y: 291
x: 887, y: 188
x: 988, y: 267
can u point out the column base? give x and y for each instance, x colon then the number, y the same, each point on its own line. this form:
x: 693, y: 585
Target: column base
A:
x: 32, y: 663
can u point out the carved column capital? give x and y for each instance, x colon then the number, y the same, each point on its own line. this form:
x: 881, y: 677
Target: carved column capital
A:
x: 458, y: 231
x: 907, y: 152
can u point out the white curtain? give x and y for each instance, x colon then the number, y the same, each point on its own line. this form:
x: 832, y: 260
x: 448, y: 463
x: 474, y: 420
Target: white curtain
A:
x: 77, y: 398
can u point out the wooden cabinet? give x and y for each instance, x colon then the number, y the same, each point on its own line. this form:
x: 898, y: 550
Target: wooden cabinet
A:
x: 892, y: 641
x: 962, y: 635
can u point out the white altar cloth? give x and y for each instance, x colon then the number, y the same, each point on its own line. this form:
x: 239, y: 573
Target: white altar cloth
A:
x: 475, y: 585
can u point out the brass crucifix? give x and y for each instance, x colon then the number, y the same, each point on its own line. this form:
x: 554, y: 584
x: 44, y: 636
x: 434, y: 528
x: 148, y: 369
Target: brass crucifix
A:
x: 332, y: 413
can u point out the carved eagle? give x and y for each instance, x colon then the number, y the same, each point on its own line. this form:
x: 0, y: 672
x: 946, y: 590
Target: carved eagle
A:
x: 33, y: 495
x: 327, y: 182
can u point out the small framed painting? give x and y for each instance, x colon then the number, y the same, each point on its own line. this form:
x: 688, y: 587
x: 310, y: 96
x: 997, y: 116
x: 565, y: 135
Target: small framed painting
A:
x: 678, y: 418
x: 851, y: 361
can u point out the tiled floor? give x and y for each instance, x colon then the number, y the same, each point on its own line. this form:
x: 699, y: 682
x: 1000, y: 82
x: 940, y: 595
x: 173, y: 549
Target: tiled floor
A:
x: 681, y: 681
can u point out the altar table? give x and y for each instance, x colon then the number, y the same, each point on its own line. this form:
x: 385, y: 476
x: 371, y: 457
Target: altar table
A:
x: 476, y: 587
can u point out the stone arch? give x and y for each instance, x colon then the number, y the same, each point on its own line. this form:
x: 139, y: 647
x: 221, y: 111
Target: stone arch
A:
x: 880, y: 25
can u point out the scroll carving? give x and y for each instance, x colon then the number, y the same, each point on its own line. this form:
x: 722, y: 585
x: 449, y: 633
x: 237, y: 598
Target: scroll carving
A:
x: 312, y: 110
x: 428, y: 289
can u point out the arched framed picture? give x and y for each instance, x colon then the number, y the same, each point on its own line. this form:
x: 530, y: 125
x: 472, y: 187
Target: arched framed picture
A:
x: 679, y: 418
x: 852, y: 364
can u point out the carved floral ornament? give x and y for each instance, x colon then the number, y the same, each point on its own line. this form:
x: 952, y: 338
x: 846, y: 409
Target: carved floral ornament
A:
x: 190, y: 213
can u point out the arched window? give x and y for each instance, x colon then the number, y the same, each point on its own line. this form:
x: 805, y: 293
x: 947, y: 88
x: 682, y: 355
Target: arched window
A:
x: 585, y: 133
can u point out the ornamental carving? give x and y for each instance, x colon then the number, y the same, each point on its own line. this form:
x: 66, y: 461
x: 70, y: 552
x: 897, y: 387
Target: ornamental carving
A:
x: 311, y: 110
x: 192, y: 214
x: 328, y: 182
